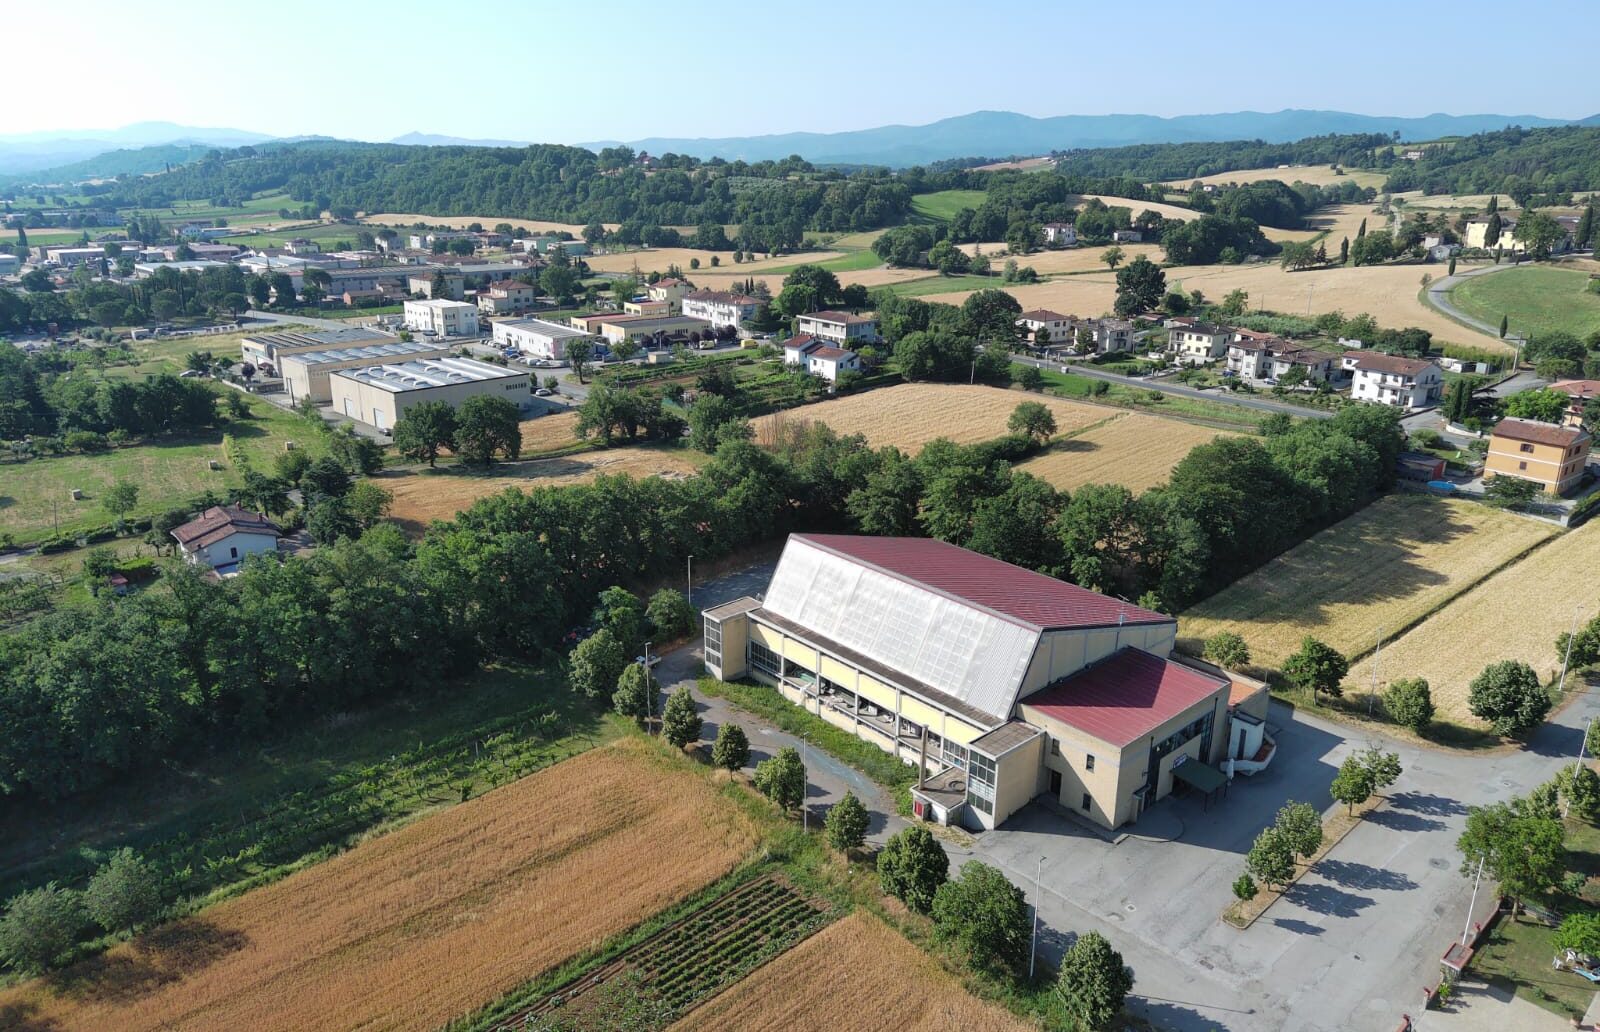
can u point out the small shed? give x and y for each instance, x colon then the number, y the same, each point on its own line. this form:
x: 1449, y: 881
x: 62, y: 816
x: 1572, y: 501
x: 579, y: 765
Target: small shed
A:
x: 1419, y: 466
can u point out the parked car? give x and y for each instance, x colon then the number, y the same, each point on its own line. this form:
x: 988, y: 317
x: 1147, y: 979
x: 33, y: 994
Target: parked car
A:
x: 543, y: 392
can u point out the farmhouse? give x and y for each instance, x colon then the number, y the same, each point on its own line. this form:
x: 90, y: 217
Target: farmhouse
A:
x: 442, y: 318
x: 268, y: 348
x: 305, y: 374
x: 507, y: 297
x: 1198, y: 343
x: 1551, y: 456
x: 223, y: 536
x: 819, y: 358
x: 1044, y: 327
x: 998, y: 683
x: 1060, y: 234
x: 840, y: 327
x: 536, y: 338
x: 719, y: 307
x: 1127, y: 236
x: 671, y: 290
x: 381, y: 395
x: 1408, y: 383
x: 1579, y: 393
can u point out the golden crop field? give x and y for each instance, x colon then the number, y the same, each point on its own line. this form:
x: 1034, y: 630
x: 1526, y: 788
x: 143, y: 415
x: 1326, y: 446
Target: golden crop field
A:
x: 728, y: 278
x: 657, y: 259
x: 1171, y: 211
x: 548, y: 432
x: 910, y: 415
x: 1023, y: 165
x: 1516, y: 614
x: 1318, y: 175
x: 418, y: 926
x: 1387, y: 566
x: 422, y: 497
x: 1069, y: 259
x: 1133, y: 449
x: 403, y: 221
x: 1087, y: 295
x: 856, y: 974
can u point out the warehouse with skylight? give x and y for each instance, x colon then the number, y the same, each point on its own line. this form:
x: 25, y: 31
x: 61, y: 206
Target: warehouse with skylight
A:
x: 999, y: 684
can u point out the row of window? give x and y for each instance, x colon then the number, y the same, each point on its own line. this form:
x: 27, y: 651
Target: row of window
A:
x: 765, y: 660
x: 1055, y: 750
x: 980, y: 782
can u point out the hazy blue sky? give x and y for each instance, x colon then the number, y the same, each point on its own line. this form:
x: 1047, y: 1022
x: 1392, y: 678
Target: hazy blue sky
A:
x: 580, y: 71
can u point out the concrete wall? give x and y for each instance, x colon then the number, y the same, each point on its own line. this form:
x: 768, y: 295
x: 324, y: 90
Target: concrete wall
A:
x: 1066, y: 652
x: 1016, y: 780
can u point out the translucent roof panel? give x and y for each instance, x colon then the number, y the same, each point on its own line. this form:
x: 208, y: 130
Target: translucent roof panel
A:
x: 971, y: 654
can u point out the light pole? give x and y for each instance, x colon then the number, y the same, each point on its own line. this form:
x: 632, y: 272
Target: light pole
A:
x: 649, y: 687
x: 1566, y: 658
x: 805, y: 792
x: 688, y: 580
x: 1377, y: 651
x: 1033, y: 944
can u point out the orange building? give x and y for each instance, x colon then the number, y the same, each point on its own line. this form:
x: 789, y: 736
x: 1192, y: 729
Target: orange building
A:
x: 1551, y: 456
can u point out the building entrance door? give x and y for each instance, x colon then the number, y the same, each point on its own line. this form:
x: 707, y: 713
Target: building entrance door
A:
x: 1055, y: 784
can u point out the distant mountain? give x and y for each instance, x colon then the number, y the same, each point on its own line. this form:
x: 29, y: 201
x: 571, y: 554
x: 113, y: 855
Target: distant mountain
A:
x: 435, y: 140
x: 31, y: 152
x: 1000, y: 133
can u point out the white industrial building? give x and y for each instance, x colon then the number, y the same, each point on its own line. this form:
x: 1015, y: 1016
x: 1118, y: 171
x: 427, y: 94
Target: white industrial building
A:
x: 381, y: 395
x: 305, y: 374
x: 268, y: 349
x: 537, y: 338
x: 442, y: 318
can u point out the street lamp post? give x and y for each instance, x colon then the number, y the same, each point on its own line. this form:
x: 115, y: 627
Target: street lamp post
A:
x: 1033, y: 944
x: 689, y: 581
x: 1566, y: 658
x: 649, y: 686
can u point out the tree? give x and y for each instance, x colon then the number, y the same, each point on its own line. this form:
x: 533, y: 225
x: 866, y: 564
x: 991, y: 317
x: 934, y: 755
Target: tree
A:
x: 1579, y: 786
x: 1409, y: 703
x: 1344, y: 251
x: 912, y: 866
x: 368, y: 503
x: 578, y: 352
x: 1383, y: 768
x: 124, y: 892
x: 1244, y: 888
x: 1140, y: 286
x: 1458, y: 400
x: 986, y: 915
x: 619, y: 611
x: 120, y: 498
x: 632, y: 697
x: 1301, y: 826
x: 1316, y: 668
x: 1112, y: 256
x: 1539, y: 232
x: 425, y: 429
x: 708, y: 417
x: 1509, y: 492
x: 1034, y: 419
x: 1227, y: 650
x: 485, y: 426
x: 1029, y: 378
x: 1352, y: 785
x: 846, y: 824
x: 1509, y: 696
x: 1579, y: 932
x: 680, y: 721
x: 731, y: 750
x: 325, y: 478
x: 39, y: 926
x: 596, y: 664
x: 1519, y: 847
x: 1094, y: 981
x: 1504, y: 325
x: 670, y: 614
x: 1546, y: 406
x: 1234, y: 302
x: 782, y: 779
x: 1271, y: 858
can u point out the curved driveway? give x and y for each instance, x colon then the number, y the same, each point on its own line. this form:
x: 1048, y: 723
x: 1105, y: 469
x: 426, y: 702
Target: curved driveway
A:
x: 1438, y: 295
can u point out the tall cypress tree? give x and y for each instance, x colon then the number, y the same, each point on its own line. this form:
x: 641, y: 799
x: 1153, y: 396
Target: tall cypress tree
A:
x: 1494, y: 203
x: 1503, y: 327
x: 1585, y: 226
x: 1344, y: 251
x: 1361, y: 230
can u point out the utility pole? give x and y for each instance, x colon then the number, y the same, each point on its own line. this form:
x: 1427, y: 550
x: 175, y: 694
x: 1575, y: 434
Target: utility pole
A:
x: 1566, y: 804
x: 649, y: 686
x: 805, y: 795
x: 1566, y: 659
x: 1466, y: 929
x: 689, y: 581
x: 1033, y: 944
x: 1377, y: 652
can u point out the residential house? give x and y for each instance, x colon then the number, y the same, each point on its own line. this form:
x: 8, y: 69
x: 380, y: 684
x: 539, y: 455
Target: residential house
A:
x: 1043, y: 328
x: 840, y: 327
x: 1261, y: 356
x: 1110, y: 335
x: 671, y: 290
x: 300, y: 246
x: 1580, y: 393
x: 1551, y: 456
x: 507, y: 297
x: 720, y: 308
x: 819, y: 358
x: 422, y: 282
x: 1407, y: 383
x: 222, y: 537
x: 1198, y: 343
x: 1060, y: 234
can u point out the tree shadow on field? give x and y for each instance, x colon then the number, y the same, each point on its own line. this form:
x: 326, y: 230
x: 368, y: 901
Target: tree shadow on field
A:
x: 25, y: 1017
x: 152, y: 961
x: 1363, y: 876
x: 1396, y: 820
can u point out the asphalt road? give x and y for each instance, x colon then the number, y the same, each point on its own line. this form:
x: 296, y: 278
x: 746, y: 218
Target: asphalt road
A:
x: 1248, y: 401
x: 1348, y: 948
x: 1439, y: 296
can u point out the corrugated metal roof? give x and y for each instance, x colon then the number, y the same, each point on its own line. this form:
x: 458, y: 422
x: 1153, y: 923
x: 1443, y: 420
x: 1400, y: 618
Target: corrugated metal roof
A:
x: 1125, y: 696
x: 1040, y: 602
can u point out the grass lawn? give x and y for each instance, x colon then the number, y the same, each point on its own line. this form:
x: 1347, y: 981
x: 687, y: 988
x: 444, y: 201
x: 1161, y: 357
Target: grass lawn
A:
x: 200, y: 210
x: 855, y: 261
x: 942, y: 205
x: 35, y: 496
x: 325, y: 234
x: 243, y: 816
x: 936, y: 284
x: 1071, y: 385
x: 1536, y: 299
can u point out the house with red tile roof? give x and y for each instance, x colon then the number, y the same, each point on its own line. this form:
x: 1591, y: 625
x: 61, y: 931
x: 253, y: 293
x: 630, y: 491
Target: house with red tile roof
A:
x: 223, y: 536
x: 1000, y: 684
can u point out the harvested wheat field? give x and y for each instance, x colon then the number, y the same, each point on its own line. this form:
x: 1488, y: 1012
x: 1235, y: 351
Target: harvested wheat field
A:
x: 1087, y: 294
x: 1516, y: 614
x: 729, y: 278
x: 1170, y: 211
x: 422, y: 497
x: 423, y: 924
x: 1071, y: 259
x: 857, y: 974
x: 403, y: 222
x: 1133, y: 449
x: 657, y: 259
x: 1318, y: 175
x: 1023, y: 165
x: 908, y: 416
x: 1388, y: 566
x: 547, y: 433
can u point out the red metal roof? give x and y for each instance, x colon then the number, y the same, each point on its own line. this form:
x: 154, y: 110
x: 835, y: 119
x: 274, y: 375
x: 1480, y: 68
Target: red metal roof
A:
x: 1031, y: 598
x: 1125, y: 696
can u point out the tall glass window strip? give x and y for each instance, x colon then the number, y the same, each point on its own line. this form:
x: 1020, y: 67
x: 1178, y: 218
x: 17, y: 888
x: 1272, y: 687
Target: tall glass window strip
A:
x: 980, y: 782
x: 713, y: 643
x: 955, y: 754
x: 765, y: 660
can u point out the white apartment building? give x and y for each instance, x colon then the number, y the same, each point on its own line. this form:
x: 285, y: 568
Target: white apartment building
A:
x: 719, y: 307
x: 1407, y: 383
x: 1057, y: 328
x: 840, y: 327
x: 537, y: 338
x: 442, y: 318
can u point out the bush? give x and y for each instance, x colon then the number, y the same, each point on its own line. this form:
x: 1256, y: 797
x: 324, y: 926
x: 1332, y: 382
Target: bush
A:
x: 670, y: 614
x: 986, y: 915
x: 125, y: 892
x: 732, y: 748
x: 1227, y: 650
x: 1094, y: 981
x: 912, y: 866
x: 1509, y: 696
x: 1316, y: 668
x: 1244, y: 887
x: 782, y: 779
x: 39, y: 926
x: 846, y: 823
x: 1409, y: 703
